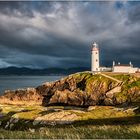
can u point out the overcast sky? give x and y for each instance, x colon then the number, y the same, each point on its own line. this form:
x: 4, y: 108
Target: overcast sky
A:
x: 60, y: 34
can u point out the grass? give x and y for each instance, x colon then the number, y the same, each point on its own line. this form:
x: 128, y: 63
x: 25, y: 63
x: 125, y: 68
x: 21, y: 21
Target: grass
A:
x: 130, y: 88
x: 103, y: 122
x: 104, y: 112
x: 76, y: 132
x: 86, y: 81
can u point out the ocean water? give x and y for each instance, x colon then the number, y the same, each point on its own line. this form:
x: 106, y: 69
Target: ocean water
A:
x: 14, y: 82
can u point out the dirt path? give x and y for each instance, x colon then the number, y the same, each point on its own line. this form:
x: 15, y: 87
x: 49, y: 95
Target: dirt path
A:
x: 112, y: 78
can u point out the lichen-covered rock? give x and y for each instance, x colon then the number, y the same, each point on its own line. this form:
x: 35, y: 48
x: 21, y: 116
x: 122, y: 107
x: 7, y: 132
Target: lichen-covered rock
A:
x: 86, y: 89
x: 81, y: 89
x: 62, y: 117
x: 21, y: 96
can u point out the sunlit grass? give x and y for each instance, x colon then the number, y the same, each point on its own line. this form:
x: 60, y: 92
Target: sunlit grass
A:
x: 77, y: 132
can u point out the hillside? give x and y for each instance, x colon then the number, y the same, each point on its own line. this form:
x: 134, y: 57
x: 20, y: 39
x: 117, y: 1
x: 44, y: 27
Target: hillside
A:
x: 81, y: 89
x: 45, y: 71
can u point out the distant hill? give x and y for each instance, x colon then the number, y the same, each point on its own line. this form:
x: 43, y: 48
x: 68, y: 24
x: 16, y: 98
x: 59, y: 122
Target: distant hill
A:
x: 46, y: 71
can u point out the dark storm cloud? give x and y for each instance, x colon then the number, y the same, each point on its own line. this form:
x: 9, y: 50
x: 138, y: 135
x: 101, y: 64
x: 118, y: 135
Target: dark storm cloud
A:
x: 59, y: 34
x: 134, y: 13
x: 26, y: 8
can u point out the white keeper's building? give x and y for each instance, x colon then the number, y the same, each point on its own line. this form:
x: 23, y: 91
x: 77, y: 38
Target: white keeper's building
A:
x: 116, y: 67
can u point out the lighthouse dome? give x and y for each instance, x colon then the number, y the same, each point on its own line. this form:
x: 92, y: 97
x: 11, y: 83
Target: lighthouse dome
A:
x: 95, y: 46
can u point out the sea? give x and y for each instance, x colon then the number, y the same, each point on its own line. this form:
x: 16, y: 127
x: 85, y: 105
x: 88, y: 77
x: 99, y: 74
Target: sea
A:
x: 14, y: 82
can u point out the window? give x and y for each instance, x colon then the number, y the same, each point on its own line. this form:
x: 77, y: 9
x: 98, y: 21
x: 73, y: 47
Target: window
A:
x: 96, y: 53
x: 96, y: 60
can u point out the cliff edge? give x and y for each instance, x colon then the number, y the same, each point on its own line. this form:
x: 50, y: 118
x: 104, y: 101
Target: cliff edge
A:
x: 80, y: 89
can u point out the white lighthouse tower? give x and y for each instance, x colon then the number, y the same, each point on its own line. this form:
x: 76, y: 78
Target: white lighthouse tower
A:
x: 95, y: 57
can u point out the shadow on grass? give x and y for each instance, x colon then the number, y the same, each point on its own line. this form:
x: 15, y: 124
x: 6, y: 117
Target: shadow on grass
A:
x: 111, y: 121
x: 25, y: 124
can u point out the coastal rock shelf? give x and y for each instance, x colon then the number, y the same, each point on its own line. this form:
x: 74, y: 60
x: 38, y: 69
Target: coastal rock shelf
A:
x: 80, y: 89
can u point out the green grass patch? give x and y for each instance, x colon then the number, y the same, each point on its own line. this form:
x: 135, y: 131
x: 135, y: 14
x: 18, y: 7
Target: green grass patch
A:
x: 76, y: 132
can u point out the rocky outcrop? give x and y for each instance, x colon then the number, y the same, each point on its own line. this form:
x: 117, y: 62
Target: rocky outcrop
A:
x: 86, y: 89
x: 61, y: 117
x: 80, y: 89
x: 21, y: 96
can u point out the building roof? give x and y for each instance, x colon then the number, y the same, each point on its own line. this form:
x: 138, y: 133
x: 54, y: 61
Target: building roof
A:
x: 124, y: 65
x: 95, y: 49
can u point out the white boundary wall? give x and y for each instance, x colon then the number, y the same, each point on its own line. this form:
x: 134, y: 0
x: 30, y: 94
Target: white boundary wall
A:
x: 125, y: 69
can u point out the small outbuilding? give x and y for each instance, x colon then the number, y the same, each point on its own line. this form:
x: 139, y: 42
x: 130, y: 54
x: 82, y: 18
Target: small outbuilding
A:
x: 124, y: 68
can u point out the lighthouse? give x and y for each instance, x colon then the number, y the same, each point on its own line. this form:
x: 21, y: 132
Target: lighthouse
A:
x: 95, y: 57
